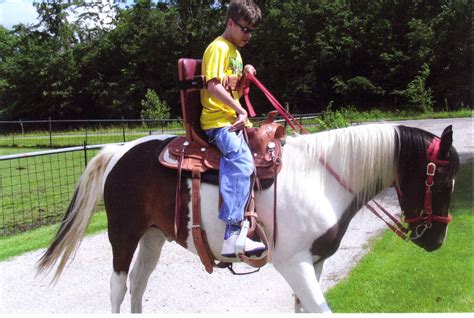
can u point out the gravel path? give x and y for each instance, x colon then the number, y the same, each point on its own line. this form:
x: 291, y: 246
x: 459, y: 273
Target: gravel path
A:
x: 179, y: 284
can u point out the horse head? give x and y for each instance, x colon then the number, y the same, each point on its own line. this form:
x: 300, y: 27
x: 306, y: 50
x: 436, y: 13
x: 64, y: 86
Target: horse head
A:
x: 427, y: 170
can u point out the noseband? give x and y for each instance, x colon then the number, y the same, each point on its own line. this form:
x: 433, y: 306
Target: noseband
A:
x: 426, y: 216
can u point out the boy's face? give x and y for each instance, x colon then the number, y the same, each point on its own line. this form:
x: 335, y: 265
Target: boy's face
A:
x: 241, y: 32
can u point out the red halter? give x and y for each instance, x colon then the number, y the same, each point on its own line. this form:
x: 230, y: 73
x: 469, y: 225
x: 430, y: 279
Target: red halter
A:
x: 426, y: 214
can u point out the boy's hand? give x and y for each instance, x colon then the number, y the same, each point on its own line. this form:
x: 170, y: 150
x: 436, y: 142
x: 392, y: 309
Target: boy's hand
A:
x: 244, y: 81
x: 241, y: 121
x: 250, y: 69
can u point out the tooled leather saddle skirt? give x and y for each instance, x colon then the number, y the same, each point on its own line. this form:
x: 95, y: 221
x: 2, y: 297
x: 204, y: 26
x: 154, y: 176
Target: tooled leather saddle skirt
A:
x: 265, y: 144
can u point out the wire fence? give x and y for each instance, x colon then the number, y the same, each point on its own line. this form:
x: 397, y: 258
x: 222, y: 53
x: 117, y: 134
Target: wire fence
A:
x: 69, y: 133
x: 36, y: 188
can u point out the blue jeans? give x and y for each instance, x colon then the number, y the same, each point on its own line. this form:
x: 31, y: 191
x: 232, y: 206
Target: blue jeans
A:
x: 236, y: 168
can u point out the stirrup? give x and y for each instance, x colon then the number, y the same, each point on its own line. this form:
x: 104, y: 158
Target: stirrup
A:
x: 230, y: 267
x: 240, y: 243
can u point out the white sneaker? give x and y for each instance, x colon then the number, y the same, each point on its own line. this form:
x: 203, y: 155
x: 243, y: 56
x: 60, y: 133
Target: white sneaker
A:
x: 251, y: 247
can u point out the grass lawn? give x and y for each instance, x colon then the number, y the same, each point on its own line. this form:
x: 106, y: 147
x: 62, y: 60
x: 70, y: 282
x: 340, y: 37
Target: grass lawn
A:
x: 77, y: 137
x: 354, y: 115
x: 37, y: 190
x: 68, y: 139
x: 42, y: 237
x: 11, y: 151
x: 399, y: 277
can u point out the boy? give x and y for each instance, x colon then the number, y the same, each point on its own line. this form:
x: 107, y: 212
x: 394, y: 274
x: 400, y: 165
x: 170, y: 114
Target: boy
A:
x: 223, y: 118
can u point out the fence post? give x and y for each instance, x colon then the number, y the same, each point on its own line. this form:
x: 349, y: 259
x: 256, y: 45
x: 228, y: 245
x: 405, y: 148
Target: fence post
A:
x: 123, y: 129
x: 50, y: 133
x: 85, y: 154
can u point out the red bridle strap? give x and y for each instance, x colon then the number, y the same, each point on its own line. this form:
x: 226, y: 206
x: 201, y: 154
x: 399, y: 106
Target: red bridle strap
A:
x: 432, y: 152
x: 432, y: 155
x: 398, y: 228
x: 426, y: 214
x: 294, y: 124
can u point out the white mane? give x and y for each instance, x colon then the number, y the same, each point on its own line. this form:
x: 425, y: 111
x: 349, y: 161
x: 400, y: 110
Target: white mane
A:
x: 363, y: 156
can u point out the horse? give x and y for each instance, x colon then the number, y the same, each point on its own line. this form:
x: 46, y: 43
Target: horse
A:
x: 313, y: 207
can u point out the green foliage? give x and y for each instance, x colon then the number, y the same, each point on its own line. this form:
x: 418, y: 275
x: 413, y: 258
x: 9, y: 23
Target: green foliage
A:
x: 153, y: 107
x: 307, y: 52
x: 332, y: 119
x: 418, y: 97
x: 353, y: 115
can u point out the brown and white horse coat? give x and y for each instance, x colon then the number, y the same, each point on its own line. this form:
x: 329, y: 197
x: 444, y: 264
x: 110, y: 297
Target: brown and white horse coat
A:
x: 313, y: 209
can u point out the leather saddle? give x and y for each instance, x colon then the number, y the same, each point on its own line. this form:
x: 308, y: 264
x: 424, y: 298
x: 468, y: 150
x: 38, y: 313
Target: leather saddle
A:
x: 194, y: 154
x: 265, y: 144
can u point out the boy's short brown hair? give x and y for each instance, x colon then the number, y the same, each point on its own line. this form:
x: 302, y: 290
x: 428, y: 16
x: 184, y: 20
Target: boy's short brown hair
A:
x: 244, y: 9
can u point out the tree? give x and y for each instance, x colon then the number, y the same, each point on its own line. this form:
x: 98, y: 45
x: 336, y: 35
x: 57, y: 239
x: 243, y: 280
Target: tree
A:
x: 153, y: 107
x: 309, y: 53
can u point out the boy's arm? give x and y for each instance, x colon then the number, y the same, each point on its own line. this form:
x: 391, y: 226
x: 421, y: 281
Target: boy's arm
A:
x: 216, y: 89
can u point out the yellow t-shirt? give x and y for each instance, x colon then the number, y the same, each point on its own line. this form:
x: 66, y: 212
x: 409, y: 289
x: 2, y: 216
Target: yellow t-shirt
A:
x: 220, y: 59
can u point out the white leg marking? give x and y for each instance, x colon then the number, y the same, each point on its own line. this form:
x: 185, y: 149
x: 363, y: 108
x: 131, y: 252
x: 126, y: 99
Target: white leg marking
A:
x: 148, y: 254
x: 300, y: 275
x: 318, y: 268
x: 118, y: 288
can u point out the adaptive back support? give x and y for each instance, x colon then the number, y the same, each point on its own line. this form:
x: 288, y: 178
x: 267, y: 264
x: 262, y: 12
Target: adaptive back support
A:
x: 190, y: 83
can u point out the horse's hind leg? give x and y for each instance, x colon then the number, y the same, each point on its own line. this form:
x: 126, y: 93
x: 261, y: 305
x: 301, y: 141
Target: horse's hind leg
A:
x: 118, y: 288
x: 148, y: 254
x: 122, y: 251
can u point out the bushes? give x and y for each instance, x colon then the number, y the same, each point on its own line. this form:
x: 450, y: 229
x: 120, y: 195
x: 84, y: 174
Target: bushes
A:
x: 332, y: 119
x: 418, y: 97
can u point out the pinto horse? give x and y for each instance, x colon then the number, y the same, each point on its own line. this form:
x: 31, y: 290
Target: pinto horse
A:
x: 314, y: 209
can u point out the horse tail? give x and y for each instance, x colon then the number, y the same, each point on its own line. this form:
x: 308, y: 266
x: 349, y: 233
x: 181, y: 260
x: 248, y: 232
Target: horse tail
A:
x: 86, y: 197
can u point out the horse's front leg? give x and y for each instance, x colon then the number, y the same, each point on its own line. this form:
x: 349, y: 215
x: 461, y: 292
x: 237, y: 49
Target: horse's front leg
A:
x: 318, y: 268
x: 300, y: 274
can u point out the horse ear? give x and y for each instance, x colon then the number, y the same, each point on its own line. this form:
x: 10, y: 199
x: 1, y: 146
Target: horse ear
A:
x: 446, y: 142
